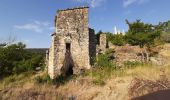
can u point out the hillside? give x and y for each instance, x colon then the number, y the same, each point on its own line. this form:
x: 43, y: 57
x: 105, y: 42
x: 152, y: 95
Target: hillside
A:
x: 95, y: 84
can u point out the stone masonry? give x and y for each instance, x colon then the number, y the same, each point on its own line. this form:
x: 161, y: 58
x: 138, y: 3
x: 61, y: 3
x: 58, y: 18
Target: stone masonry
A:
x: 73, y: 47
x: 101, y: 48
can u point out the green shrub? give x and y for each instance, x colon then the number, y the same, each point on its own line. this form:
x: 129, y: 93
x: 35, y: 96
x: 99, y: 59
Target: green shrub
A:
x: 104, y: 61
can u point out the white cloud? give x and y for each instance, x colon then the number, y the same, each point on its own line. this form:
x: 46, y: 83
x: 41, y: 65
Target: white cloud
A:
x: 36, y: 26
x: 42, y: 23
x: 96, y: 3
x: 127, y: 3
x: 32, y: 27
x: 92, y: 3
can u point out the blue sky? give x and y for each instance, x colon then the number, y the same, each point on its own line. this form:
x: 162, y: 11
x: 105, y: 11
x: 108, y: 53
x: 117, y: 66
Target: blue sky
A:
x: 32, y: 21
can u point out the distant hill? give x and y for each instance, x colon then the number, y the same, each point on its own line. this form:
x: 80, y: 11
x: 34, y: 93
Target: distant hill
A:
x: 37, y: 50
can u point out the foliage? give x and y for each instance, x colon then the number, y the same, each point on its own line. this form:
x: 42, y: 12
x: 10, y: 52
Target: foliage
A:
x: 2, y: 45
x: 164, y: 26
x: 116, y: 39
x: 142, y: 34
x: 105, y: 66
x: 103, y: 60
x: 14, y: 59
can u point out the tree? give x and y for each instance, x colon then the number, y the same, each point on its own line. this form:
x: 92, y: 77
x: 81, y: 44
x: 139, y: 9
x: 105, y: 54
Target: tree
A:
x: 9, y: 56
x: 2, y: 45
x: 142, y: 34
x: 165, y: 28
x: 15, y: 59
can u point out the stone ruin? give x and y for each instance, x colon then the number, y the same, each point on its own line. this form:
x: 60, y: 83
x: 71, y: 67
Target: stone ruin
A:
x: 102, y: 46
x: 73, y: 47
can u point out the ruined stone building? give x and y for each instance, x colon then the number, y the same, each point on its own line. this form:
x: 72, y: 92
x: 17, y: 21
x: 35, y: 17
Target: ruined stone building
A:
x: 73, y: 47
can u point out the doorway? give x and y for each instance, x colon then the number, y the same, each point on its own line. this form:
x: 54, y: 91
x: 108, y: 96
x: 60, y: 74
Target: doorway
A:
x: 68, y: 64
x: 68, y: 45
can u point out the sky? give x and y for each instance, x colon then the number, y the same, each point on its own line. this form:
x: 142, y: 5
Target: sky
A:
x: 32, y: 21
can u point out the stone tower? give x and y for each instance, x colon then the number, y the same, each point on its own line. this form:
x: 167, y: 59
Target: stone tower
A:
x: 72, y: 48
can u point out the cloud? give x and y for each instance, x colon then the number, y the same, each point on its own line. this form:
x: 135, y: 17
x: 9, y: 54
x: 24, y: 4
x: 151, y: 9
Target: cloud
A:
x: 92, y: 3
x: 127, y: 3
x: 32, y: 27
x: 36, y: 26
x: 42, y: 23
x: 96, y: 3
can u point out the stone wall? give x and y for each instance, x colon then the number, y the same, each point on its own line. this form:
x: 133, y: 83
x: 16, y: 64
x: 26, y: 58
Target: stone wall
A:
x: 71, y: 28
x: 92, y: 46
x: 101, y: 48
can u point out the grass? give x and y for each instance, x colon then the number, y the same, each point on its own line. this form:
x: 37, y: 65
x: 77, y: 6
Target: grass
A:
x: 15, y: 80
x: 118, y: 79
x: 130, y: 69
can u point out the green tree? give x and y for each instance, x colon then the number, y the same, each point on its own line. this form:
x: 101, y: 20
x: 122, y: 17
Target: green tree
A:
x: 165, y: 28
x: 15, y: 59
x: 142, y: 34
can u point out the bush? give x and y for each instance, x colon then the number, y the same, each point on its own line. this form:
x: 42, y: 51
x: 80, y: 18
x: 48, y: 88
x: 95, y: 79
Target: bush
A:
x: 104, y: 60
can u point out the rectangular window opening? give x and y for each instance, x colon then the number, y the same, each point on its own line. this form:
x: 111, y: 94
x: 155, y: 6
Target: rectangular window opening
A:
x: 68, y: 46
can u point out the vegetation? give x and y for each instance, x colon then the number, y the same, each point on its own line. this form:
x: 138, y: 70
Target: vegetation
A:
x: 15, y: 59
x: 116, y: 39
x: 166, y: 36
x: 142, y: 34
x: 43, y: 79
x: 104, y: 61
